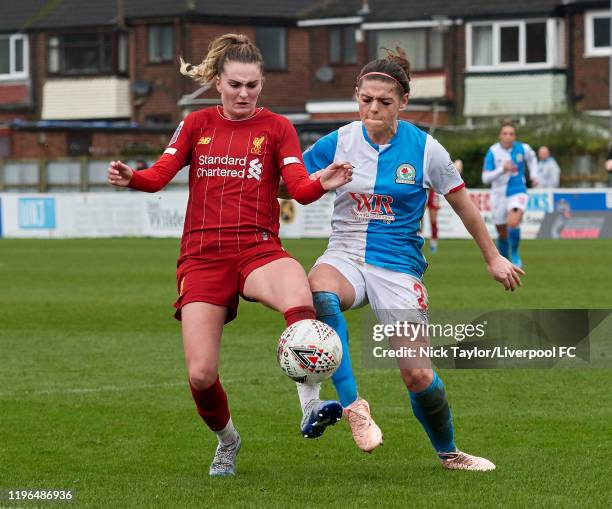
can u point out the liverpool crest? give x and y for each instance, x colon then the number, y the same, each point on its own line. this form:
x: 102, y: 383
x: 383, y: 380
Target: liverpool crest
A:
x: 257, y: 147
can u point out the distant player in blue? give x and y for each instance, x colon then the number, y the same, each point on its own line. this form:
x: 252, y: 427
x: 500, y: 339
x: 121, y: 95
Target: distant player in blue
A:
x: 374, y: 252
x: 504, y: 169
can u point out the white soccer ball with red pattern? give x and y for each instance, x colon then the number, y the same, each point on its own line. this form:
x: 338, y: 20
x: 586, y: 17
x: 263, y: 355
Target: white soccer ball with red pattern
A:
x: 309, y: 351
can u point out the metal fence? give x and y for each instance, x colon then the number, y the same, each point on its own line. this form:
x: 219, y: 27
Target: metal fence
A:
x: 83, y: 174
x: 70, y: 174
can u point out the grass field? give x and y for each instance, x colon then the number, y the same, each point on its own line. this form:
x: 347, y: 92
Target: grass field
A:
x: 93, y: 392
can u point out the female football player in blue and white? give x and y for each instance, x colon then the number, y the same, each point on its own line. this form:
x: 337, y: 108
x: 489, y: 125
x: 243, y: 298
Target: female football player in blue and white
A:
x: 504, y: 169
x: 374, y: 252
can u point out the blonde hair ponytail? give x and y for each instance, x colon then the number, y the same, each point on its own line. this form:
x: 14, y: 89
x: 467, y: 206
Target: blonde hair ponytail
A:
x: 228, y: 47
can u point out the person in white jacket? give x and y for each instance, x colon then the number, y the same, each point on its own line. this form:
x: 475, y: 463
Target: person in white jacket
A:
x: 548, y: 173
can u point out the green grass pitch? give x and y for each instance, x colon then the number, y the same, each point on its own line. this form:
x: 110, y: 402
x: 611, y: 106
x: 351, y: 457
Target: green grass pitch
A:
x: 93, y: 393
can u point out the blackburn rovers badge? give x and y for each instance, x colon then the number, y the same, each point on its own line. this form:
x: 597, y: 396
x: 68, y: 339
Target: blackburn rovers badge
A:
x: 405, y: 174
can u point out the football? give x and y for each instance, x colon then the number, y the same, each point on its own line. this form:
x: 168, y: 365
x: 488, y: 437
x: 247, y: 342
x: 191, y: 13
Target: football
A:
x: 309, y: 351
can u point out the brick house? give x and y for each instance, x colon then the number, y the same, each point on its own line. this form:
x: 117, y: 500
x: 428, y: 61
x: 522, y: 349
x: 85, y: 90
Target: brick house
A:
x: 471, y: 58
x: 103, y: 80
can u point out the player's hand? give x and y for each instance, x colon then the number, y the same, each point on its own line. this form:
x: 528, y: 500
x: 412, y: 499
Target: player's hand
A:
x: 336, y: 175
x: 119, y: 174
x: 509, y: 167
x: 609, y: 165
x: 505, y: 272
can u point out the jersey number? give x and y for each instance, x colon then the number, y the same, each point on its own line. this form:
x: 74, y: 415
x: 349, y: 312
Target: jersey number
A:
x: 421, y: 295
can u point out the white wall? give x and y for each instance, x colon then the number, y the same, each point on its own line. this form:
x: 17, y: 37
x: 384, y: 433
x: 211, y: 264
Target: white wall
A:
x: 78, y: 98
x: 524, y: 94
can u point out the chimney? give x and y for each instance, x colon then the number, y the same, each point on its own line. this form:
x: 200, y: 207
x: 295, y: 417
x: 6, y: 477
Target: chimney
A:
x: 365, y: 8
x: 120, y: 14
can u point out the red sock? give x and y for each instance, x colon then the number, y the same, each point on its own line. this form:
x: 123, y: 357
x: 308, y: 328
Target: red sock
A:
x: 212, y: 405
x: 298, y: 313
x: 434, y: 230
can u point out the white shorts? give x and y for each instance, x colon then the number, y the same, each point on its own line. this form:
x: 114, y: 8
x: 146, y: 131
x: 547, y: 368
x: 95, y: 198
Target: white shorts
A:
x: 394, y: 296
x: 502, y: 204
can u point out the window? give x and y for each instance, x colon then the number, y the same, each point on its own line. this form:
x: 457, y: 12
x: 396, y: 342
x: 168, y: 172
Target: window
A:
x: 79, y: 143
x: 601, y: 32
x: 13, y: 56
x: 158, y: 118
x: 5, y: 146
x: 342, y: 45
x: 161, y: 43
x: 597, y: 33
x: 122, y: 56
x: 87, y: 53
x: 510, y: 44
x: 424, y: 46
x: 272, y: 41
x: 482, y: 45
x: 536, y: 43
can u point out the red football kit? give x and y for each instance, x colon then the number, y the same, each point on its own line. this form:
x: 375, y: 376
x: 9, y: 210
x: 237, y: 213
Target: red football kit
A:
x: 232, y: 218
x: 433, y: 200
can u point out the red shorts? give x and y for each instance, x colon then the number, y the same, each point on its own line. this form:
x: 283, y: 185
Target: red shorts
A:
x: 221, y: 280
x: 433, y: 200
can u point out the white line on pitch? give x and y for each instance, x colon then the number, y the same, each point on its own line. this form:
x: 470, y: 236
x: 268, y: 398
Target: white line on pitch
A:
x: 86, y: 390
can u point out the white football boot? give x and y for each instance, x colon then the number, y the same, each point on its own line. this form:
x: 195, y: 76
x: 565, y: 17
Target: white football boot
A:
x: 462, y: 461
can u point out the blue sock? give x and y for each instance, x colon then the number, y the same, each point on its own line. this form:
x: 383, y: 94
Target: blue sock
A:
x: 327, y: 305
x: 431, y: 408
x: 502, y: 245
x: 514, y: 234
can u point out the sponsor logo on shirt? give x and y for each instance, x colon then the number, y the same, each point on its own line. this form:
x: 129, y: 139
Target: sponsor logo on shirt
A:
x: 450, y: 170
x: 255, y: 169
x: 224, y: 160
x: 257, y: 146
x: 204, y: 140
x: 221, y: 166
x: 405, y: 174
x: 176, y: 133
x: 372, y: 206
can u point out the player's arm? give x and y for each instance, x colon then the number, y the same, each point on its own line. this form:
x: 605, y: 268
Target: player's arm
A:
x: 156, y: 177
x: 305, y: 190
x: 441, y: 175
x: 490, y: 172
x: 499, y: 267
x: 283, y: 192
x: 556, y: 174
x: 295, y: 172
x: 532, y: 163
x: 151, y: 180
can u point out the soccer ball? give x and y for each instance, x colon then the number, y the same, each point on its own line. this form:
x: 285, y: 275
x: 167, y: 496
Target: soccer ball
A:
x: 309, y: 351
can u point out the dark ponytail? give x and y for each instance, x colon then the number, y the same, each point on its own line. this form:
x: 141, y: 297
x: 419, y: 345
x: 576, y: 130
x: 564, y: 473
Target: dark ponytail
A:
x: 395, y: 65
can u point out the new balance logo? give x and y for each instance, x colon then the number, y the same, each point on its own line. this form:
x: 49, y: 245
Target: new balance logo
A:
x: 255, y: 169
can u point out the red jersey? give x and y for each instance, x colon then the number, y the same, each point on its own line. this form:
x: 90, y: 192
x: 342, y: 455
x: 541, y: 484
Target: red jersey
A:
x: 234, y: 172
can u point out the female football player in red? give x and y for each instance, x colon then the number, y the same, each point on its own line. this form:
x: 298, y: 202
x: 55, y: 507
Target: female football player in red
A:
x: 237, y: 153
